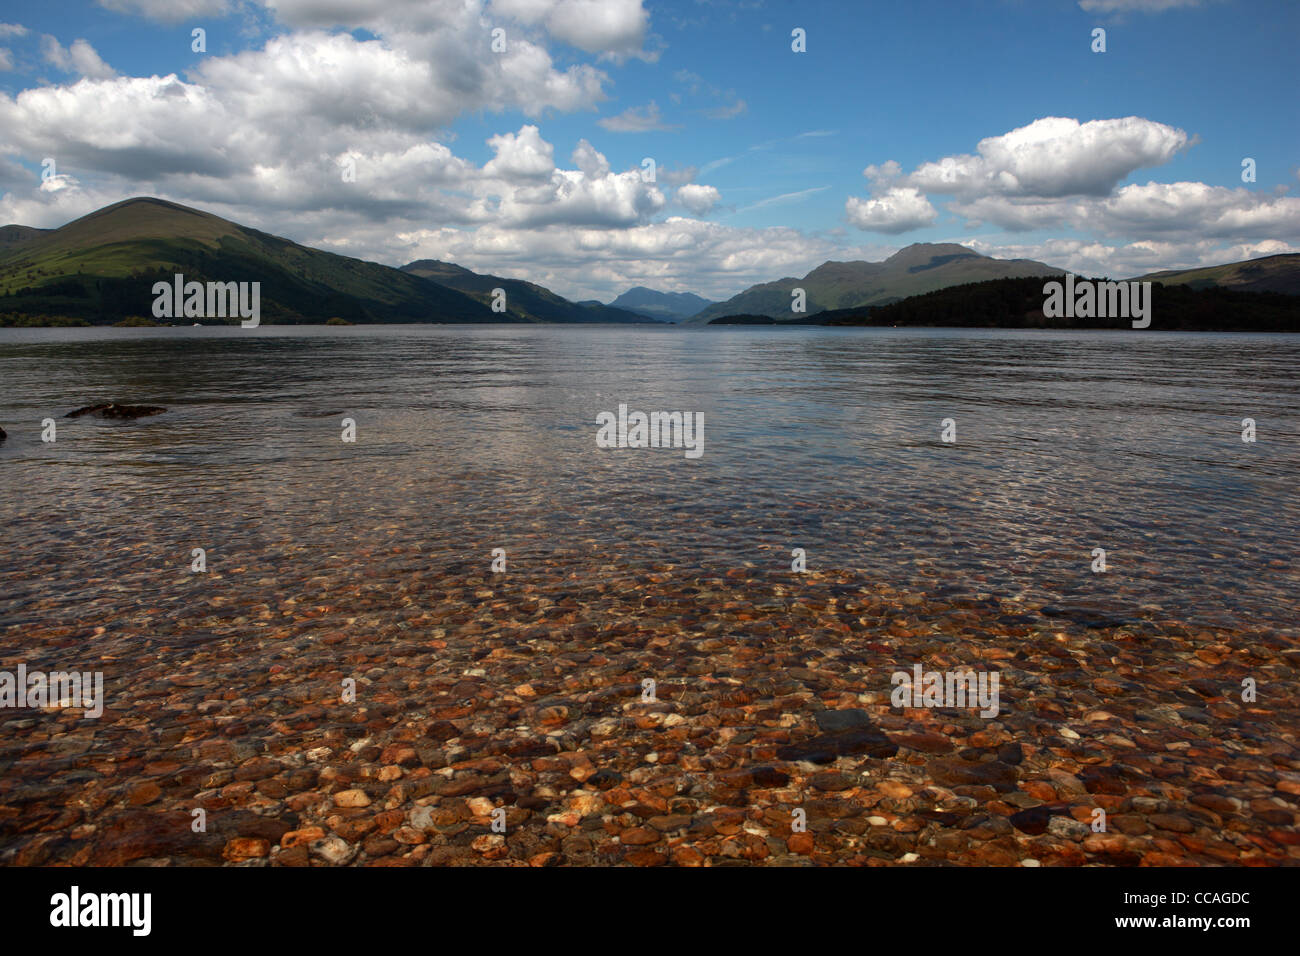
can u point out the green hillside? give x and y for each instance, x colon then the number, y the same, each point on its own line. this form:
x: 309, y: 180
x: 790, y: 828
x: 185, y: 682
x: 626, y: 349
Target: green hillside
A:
x: 101, y: 268
x: 12, y: 235
x: 526, y: 300
x: 1268, y: 274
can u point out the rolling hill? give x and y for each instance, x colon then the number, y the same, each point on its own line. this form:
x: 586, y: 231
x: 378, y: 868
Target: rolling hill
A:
x: 526, y: 300
x: 1267, y: 274
x: 12, y: 235
x: 101, y: 268
x: 921, y: 267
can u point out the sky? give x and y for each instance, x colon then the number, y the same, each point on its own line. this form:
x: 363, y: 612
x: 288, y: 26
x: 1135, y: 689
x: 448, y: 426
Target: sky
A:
x: 688, y: 146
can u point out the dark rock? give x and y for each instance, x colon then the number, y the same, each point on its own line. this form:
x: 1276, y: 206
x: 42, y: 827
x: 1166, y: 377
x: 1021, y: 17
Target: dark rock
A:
x: 826, y: 748
x: 114, y: 410
x: 831, y: 780
x: 604, y: 779
x: 442, y: 730
x: 1032, y: 821
x: 833, y: 721
x: 770, y: 777
x: 993, y: 773
x: 1101, y: 779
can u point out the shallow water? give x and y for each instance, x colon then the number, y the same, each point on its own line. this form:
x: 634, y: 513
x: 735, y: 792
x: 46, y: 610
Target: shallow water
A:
x: 473, y: 438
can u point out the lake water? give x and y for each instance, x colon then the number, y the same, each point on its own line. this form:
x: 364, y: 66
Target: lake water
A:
x: 349, y: 661
x: 473, y: 438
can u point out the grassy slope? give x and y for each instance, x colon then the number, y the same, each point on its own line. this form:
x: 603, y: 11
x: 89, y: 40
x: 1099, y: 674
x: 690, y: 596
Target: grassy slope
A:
x: 12, y: 235
x: 103, y: 266
x: 1269, y: 274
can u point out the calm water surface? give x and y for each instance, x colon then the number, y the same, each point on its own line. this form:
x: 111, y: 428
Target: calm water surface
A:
x: 471, y: 438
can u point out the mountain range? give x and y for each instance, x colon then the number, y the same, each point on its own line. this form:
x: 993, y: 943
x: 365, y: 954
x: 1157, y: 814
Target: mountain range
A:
x: 921, y: 267
x: 670, y: 306
x: 526, y: 300
x: 101, y: 268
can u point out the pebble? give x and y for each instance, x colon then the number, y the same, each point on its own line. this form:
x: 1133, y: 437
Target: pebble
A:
x: 771, y: 697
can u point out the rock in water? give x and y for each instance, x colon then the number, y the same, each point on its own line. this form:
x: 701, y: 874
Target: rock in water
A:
x: 114, y: 410
x: 3, y: 436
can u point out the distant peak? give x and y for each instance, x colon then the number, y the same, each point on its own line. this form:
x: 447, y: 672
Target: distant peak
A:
x: 919, y: 250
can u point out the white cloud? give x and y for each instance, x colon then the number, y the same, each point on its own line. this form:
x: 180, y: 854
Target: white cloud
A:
x: 898, y: 209
x: 730, y: 111
x: 636, y: 120
x: 12, y: 30
x: 676, y: 254
x: 6, y: 59
x: 591, y: 196
x: 697, y: 199
x: 1054, y: 156
x: 521, y: 155
x: 1137, y: 6
x: 1186, y: 208
x: 616, y: 28
x: 168, y: 11
x: 79, y: 58
x: 1195, y: 209
x: 1092, y: 257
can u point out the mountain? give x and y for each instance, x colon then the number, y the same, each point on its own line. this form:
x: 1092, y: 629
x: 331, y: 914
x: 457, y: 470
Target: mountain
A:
x: 526, y: 301
x: 101, y: 268
x: 11, y: 235
x: 1018, y: 304
x: 672, y: 306
x: 1268, y: 274
x: 921, y: 267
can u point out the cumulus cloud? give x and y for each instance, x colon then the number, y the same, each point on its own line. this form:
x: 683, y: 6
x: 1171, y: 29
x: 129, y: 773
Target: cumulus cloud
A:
x: 521, y: 155
x: 12, y: 30
x: 1093, y: 257
x: 613, y: 29
x: 1187, y: 208
x: 898, y: 209
x: 79, y: 58
x: 677, y: 253
x: 1194, y: 208
x: 590, y: 196
x: 1059, y: 173
x: 1054, y: 156
x: 697, y: 199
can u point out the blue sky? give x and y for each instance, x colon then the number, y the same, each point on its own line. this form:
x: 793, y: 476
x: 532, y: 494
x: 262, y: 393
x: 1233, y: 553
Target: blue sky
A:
x: 991, y: 123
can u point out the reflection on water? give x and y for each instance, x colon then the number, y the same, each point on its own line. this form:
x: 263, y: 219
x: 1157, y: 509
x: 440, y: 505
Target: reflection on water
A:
x: 470, y: 438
